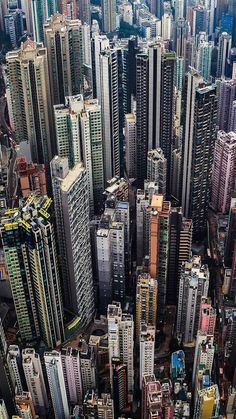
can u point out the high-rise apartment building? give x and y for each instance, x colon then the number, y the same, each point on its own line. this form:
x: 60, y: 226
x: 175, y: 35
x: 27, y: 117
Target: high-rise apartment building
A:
x: 142, y: 223
x: 112, y: 249
x: 232, y: 126
x: 64, y: 44
x: 147, y: 346
x: 68, y: 8
x: 119, y: 386
x: 68, y: 137
x: 224, y: 50
x: 110, y: 112
x: 161, y: 101
x: 129, y: 76
x: 142, y: 85
x: 15, y: 366
x: 231, y: 233
x: 7, y: 388
x: 98, y: 44
x: 180, y: 243
x: 146, y: 302
x: 35, y: 380
x: 30, y: 250
x: 24, y: 406
x: 207, y: 317
x: 14, y: 26
x: 198, y: 149
x: 84, y: 11
x: 157, y: 169
x: 227, y: 96
x: 70, y: 191
x: 193, y: 285
x: 121, y: 341
x: 159, y: 246
x: 108, y: 15
x: 56, y: 383
x: 130, y: 145
x: 92, y: 152
x: 72, y: 376
x: 87, y: 366
x: 223, y: 171
x: 185, y: 244
x: 41, y: 11
x: 203, y: 59
x: 30, y: 100
x: 79, y: 138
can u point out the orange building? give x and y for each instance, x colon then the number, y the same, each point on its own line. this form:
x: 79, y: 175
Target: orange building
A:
x: 159, y: 245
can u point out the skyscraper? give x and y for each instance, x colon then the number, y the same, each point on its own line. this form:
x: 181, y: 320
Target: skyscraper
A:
x: 79, y: 138
x: 68, y: 8
x: 207, y: 317
x: 159, y: 247
x: 35, y: 380
x: 142, y: 74
x: 121, y: 341
x: 231, y: 233
x: 130, y: 145
x: 147, y: 346
x: 70, y: 191
x: 56, y: 383
x: 223, y: 171
x: 92, y: 152
x: 30, y: 100
x: 146, y: 302
x: 14, y: 26
x: 185, y: 243
x: 180, y: 243
x: 14, y: 362
x: 99, y: 44
x: 129, y: 76
x: 84, y: 11
x: 110, y: 112
x: 41, y: 11
x: 119, y: 386
x: 223, y: 60
x: 30, y: 250
x: 157, y: 169
x: 198, y: 149
x: 87, y: 366
x: 227, y: 96
x: 194, y: 283
x: 38, y: 18
x: 108, y: 15
x: 64, y: 44
x: 7, y: 388
x: 204, y: 53
x: 72, y: 376
x: 161, y: 102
